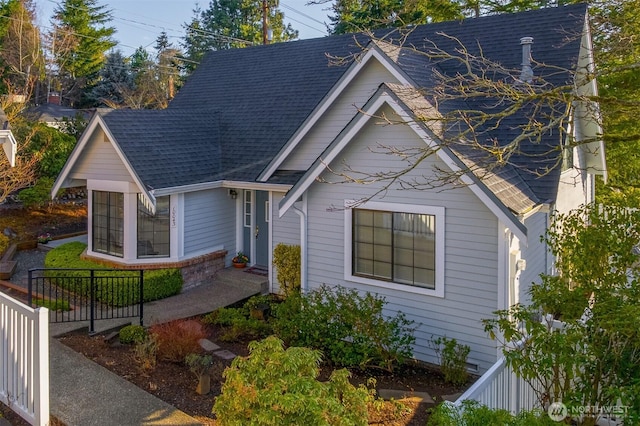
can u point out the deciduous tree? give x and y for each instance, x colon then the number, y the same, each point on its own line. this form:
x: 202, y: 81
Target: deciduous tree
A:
x: 592, y: 359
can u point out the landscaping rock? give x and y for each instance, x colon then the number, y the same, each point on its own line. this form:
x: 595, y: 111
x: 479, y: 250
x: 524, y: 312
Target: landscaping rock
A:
x: 225, y: 354
x: 208, y: 345
x: 422, y: 397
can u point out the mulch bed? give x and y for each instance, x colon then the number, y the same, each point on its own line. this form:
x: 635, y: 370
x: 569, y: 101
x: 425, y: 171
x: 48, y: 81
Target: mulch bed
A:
x: 175, y: 384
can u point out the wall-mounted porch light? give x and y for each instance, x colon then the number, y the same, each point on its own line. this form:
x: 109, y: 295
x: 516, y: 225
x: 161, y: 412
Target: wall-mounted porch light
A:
x: 233, y: 194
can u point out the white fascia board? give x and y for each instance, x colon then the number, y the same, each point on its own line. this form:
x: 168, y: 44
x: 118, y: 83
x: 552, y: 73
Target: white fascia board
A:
x: 9, y: 145
x: 373, y: 52
x: 220, y: 184
x: 443, y: 154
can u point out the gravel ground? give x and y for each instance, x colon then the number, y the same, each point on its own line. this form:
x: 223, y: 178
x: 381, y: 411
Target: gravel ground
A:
x: 27, y: 259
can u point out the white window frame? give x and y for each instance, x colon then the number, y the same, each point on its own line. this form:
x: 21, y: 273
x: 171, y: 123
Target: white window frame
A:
x: 247, y: 206
x: 438, y: 212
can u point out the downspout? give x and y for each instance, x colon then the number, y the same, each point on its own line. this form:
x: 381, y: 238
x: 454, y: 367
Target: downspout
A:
x: 303, y: 245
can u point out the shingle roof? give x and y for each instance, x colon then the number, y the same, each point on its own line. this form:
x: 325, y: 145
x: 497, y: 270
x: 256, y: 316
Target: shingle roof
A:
x: 168, y: 147
x: 241, y: 106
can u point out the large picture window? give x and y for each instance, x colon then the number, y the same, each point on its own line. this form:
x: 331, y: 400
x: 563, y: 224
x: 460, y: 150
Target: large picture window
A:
x: 108, y: 222
x: 153, y: 230
x: 399, y: 245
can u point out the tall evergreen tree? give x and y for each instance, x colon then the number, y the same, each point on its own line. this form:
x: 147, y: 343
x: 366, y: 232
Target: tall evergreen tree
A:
x: 115, y: 82
x: 79, y: 41
x: 168, y: 62
x: 365, y: 15
x: 230, y: 24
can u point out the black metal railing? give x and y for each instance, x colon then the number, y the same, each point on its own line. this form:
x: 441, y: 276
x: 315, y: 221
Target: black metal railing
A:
x: 87, y: 294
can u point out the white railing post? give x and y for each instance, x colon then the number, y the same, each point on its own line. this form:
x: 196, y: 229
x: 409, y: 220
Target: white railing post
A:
x: 41, y: 367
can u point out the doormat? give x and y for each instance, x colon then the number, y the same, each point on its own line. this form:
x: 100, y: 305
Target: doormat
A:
x: 258, y: 270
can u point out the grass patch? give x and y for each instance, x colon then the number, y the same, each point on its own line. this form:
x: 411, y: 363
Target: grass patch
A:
x: 53, y: 305
x: 112, y: 285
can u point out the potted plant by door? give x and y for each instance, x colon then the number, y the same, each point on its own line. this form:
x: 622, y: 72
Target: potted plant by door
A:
x: 240, y: 260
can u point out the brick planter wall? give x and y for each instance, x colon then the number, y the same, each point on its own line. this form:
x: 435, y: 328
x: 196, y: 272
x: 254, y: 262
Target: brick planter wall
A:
x: 195, y: 271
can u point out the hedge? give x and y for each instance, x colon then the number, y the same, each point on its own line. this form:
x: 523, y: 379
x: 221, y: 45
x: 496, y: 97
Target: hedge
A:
x: 158, y: 283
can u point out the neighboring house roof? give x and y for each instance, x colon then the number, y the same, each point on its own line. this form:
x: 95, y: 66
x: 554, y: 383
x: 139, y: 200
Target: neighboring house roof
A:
x: 242, y: 107
x: 53, y: 113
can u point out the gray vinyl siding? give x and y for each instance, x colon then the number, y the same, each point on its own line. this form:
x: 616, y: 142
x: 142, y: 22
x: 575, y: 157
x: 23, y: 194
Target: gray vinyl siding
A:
x: 100, y: 161
x: 535, y: 254
x: 471, y: 247
x: 338, y: 115
x: 285, y: 230
x: 209, y: 221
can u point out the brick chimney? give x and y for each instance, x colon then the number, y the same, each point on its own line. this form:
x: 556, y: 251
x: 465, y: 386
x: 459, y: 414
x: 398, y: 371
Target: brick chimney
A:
x: 54, y: 98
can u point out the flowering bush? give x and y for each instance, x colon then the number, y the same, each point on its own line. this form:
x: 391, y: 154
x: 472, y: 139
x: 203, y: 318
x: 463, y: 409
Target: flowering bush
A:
x: 44, y: 238
x: 240, y: 258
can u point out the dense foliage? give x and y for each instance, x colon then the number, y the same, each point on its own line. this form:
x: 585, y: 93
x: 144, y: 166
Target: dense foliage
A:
x: 228, y: 24
x: 287, y: 260
x: 274, y: 386
x: 351, y: 329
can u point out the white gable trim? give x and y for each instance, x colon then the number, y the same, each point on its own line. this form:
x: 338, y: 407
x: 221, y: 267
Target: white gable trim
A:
x: 354, y: 69
x: 97, y: 121
x: 345, y: 137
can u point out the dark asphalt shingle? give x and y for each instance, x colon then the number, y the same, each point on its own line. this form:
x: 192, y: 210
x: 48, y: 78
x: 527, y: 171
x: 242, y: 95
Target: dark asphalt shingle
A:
x: 241, y: 106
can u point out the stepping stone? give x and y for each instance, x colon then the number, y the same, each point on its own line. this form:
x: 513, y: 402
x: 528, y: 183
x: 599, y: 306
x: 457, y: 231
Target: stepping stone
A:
x: 452, y: 398
x: 208, y: 345
x: 405, y: 394
x: 225, y: 354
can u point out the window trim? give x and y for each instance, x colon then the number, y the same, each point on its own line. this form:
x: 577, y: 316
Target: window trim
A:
x: 438, y: 212
x: 94, y: 226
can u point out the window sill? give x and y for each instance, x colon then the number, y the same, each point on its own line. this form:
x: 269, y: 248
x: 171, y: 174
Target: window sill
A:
x: 437, y: 292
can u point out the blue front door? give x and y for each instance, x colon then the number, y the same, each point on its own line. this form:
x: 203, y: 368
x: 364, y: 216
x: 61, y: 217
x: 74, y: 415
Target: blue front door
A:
x: 255, y: 236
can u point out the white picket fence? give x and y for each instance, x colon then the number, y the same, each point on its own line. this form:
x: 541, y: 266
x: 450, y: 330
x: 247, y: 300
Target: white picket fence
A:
x: 24, y: 359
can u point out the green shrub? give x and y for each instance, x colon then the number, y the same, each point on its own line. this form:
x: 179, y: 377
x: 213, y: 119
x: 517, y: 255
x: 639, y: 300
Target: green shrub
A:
x: 274, y: 386
x: 453, y: 359
x: 198, y: 364
x: 53, y: 305
x: 158, y: 283
x: 4, y: 243
x: 132, y: 334
x: 37, y: 195
x: 238, y: 321
x: 472, y: 413
x: 349, y: 328
x: 145, y: 353
x: 286, y: 259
